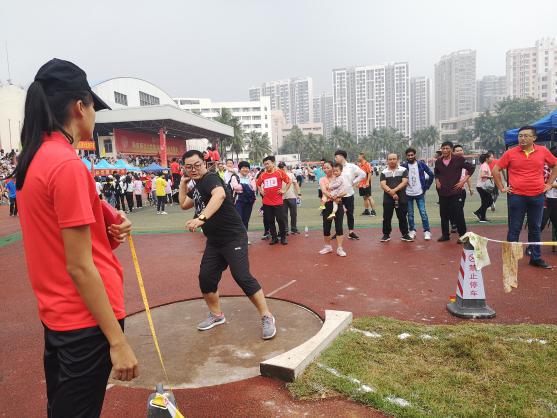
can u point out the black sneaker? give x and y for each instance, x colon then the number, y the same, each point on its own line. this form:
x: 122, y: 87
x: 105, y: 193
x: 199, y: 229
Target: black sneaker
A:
x: 454, y: 230
x: 295, y: 232
x: 372, y: 213
x: 334, y: 237
x: 443, y: 238
x: 385, y: 238
x: 365, y: 212
x: 273, y: 241
x: 407, y: 237
x: 478, y: 216
x: 484, y: 220
x: 352, y: 235
x: 540, y: 263
x: 283, y: 241
x: 265, y: 236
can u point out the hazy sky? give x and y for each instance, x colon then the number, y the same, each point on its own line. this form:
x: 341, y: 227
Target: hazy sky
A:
x: 220, y: 48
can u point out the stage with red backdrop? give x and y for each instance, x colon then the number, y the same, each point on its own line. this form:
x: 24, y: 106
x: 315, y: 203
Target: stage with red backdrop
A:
x: 140, y: 143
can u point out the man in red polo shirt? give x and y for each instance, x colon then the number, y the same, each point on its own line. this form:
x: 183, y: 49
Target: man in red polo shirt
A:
x: 525, y: 165
x: 270, y: 188
x: 176, y: 173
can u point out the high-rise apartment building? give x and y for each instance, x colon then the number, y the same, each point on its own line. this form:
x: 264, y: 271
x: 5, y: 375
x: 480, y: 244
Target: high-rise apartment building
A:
x: 254, y: 115
x: 532, y: 72
x: 420, y: 102
x: 370, y: 97
x: 323, y: 112
x: 294, y: 96
x: 490, y: 90
x: 455, y: 85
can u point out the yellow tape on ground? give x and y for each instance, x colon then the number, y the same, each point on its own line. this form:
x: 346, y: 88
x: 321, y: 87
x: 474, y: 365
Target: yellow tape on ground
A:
x: 177, y: 413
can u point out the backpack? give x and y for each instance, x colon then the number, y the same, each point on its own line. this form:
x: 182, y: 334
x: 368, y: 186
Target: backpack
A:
x: 117, y: 187
x: 247, y: 195
x: 107, y: 189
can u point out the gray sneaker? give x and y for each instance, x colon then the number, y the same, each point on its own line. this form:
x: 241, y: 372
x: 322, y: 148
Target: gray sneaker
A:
x: 269, y: 328
x: 211, y: 321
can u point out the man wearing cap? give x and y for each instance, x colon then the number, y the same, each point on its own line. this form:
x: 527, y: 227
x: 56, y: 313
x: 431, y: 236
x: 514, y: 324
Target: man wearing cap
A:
x: 526, y: 189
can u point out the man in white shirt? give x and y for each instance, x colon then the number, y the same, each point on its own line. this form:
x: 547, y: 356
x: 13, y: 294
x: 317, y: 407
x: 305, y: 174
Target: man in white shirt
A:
x: 354, y: 175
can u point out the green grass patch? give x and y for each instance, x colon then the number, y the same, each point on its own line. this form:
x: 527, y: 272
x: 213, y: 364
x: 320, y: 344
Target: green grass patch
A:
x: 465, y: 370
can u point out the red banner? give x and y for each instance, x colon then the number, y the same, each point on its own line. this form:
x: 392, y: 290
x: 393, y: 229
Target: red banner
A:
x: 86, y: 145
x: 139, y: 143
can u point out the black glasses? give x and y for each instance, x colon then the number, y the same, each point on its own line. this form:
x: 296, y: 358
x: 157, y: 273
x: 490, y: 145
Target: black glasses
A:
x: 196, y: 166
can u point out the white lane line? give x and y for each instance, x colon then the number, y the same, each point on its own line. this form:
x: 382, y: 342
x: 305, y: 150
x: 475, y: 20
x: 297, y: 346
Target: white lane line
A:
x: 282, y: 287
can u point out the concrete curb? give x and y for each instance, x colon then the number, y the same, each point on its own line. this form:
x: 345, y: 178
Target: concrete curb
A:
x: 288, y: 366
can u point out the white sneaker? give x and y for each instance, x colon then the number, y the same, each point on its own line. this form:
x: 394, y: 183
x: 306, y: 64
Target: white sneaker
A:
x: 158, y: 213
x: 326, y: 250
x: 427, y: 235
x: 341, y: 252
x: 412, y: 234
x: 164, y: 213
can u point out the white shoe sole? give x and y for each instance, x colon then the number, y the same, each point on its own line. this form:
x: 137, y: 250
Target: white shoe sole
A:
x: 214, y: 324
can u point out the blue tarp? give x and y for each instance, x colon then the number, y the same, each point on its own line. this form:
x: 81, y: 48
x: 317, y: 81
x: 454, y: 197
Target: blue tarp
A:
x: 104, y: 165
x: 87, y: 163
x: 152, y: 168
x: 545, y: 127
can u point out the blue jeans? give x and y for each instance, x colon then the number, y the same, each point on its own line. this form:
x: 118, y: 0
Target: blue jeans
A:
x: 519, y: 206
x: 420, y: 202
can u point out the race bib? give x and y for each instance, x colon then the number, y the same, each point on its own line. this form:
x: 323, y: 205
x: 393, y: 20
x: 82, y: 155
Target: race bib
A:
x: 270, y: 182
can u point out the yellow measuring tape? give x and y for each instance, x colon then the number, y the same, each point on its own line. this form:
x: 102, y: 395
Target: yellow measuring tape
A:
x: 177, y: 413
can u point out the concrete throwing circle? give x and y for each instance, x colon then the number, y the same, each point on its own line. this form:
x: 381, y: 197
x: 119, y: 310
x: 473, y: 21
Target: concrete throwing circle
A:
x: 224, y: 354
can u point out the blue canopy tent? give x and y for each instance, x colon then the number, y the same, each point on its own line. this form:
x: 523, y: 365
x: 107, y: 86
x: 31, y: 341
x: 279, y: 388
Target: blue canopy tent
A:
x: 87, y: 163
x: 105, y: 165
x: 546, y: 128
x: 125, y: 166
x: 151, y: 168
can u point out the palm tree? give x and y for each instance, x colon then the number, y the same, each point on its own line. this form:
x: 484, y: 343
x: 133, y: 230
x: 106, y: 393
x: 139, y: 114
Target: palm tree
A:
x: 259, y: 146
x: 426, y: 138
x: 237, y: 143
x: 226, y: 117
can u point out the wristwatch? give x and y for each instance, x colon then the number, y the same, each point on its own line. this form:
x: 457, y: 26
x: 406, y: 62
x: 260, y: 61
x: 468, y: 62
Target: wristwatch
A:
x: 202, y: 218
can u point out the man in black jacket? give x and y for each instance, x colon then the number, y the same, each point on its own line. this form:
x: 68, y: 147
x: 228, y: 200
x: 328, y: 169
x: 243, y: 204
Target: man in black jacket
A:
x: 449, y: 182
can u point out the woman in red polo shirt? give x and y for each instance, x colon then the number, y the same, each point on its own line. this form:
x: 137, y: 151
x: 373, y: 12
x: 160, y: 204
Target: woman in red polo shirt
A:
x: 76, y: 278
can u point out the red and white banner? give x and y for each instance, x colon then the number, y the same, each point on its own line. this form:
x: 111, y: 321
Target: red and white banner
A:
x: 140, y: 143
x: 470, y: 280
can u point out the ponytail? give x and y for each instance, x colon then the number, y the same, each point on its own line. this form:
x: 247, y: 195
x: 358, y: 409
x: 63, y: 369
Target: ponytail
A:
x: 43, y: 115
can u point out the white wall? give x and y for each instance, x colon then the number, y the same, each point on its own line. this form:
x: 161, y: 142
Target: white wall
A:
x: 12, y: 103
x: 130, y: 87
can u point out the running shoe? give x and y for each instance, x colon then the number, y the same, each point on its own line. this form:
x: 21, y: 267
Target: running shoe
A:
x: 266, y: 236
x: 164, y: 213
x: 158, y: 213
x: 407, y: 237
x: 540, y: 263
x: 341, y: 252
x: 365, y: 213
x: 478, y: 216
x: 352, y: 235
x: 412, y: 234
x: 295, y: 232
x: 326, y: 250
x: 493, y: 207
x: 484, y: 220
x: 372, y: 213
x: 386, y: 238
x: 443, y: 238
x: 283, y: 241
x: 269, y: 327
x: 427, y: 235
x: 211, y: 321
x: 273, y: 241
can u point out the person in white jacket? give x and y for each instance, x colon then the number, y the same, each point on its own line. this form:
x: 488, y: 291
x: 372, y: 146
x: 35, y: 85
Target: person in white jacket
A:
x: 354, y: 175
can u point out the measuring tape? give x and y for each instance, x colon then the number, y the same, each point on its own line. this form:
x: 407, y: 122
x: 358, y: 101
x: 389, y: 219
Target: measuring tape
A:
x: 174, y: 411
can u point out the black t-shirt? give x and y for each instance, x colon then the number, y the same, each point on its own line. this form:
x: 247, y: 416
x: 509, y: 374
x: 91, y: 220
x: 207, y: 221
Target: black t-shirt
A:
x: 393, y: 178
x: 225, y: 225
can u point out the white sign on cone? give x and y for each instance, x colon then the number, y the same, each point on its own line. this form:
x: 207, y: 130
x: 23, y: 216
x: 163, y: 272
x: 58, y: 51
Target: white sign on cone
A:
x: 470, y: 280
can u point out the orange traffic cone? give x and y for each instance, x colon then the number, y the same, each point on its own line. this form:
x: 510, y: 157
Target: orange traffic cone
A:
x: 470, y: 293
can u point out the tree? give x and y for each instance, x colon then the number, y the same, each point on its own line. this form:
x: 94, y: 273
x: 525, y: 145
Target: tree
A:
x: 426, y: 138
x: 465, y: 136
x: 384, y: 141
x: 259, y: 146
x: 508, y: 114
x: 294, y: 143
x: 236, y: 142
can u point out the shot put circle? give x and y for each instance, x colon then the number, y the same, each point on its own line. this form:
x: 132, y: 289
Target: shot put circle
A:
x: 226, y: 353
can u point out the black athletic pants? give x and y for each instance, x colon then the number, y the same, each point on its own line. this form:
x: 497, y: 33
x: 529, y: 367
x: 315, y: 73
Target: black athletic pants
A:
x: 120, y: 202
x: 401, y: 213
x: 348, y: 203
x: 451, y: 208
x: 175, y: 186
x: 550, y: 213
x: 291, y: 206
x: 139, y: 200
x: 327, y: 223
x: 13, y: 206
x: 129, y: 198
x: 77, y: 366
x: 487, y: 201
x: 270, y: 213
x: 217, y: 258
x: 161, y: 200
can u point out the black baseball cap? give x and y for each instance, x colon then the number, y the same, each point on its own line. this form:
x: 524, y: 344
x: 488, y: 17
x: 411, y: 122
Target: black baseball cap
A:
x: 59, y: 75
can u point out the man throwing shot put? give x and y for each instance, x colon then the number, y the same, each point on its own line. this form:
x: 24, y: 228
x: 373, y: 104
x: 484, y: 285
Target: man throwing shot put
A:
x: 227, y: 242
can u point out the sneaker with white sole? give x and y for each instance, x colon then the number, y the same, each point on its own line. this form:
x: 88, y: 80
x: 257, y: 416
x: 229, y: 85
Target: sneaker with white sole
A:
x: 158, y: 213
x: 326, y: 250
x: 341, y: 252
x: 412, y: 234
x: 164, y: 213
x: 427, y: 235
x: 211, y: 321
x: 269, y: 327
x: 407, y: 238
